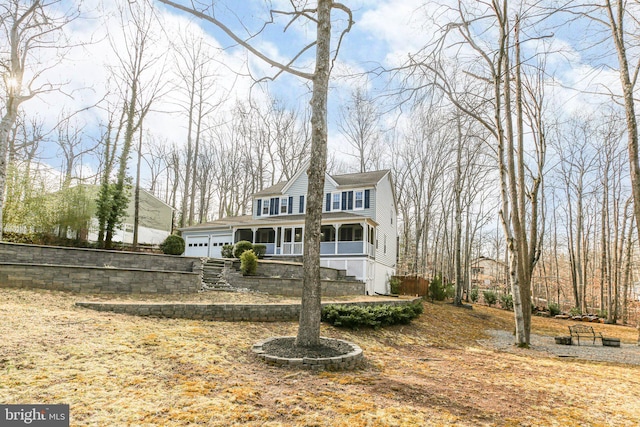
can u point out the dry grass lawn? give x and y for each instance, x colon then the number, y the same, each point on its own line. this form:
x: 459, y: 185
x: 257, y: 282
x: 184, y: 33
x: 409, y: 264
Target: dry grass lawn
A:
x: 117, y: 370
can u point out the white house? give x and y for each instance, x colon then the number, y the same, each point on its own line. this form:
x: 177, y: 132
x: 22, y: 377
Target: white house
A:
x: 359, y: 225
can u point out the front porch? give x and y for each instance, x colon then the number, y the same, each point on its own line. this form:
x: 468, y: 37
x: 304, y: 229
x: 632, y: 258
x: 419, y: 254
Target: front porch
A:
x: 336, y: 239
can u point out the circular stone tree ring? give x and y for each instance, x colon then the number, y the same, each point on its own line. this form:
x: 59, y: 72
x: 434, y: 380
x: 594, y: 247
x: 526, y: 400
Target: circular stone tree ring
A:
x: 331, y: 355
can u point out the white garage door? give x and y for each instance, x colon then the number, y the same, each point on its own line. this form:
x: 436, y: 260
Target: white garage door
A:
x: 217, y: 242
x: 197, y: 246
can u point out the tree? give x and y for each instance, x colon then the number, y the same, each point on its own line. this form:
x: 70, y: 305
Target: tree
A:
x: 309, y: 328
x: 493, y: 97
x: 359, y: 124
x: 619, y: 14
x: 196, y: 85
x: 28, y: 31
x: 136, y: 97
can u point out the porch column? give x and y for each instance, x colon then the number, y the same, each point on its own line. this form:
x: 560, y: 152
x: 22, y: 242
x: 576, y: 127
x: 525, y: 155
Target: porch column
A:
x: 335, y: 243
x: 275, y: 240
x: 253, y: 238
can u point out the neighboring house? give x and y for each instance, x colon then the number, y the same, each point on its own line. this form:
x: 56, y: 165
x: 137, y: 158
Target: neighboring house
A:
x: 359, y: 225
x: 155, y: 220
x: 487, y: 273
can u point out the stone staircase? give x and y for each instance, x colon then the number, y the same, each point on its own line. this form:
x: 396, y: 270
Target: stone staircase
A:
x: 213, y: 276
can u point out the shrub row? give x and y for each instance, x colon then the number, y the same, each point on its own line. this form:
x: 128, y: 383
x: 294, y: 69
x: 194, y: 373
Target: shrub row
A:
x: 235, y: 251
x: 355, y: 317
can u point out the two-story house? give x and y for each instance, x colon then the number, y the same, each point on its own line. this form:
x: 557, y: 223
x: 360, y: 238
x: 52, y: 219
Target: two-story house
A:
x: 358, y: 225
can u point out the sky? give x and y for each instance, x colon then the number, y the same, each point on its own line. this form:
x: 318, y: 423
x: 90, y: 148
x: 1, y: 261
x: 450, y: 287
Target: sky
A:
x: 384, y: 33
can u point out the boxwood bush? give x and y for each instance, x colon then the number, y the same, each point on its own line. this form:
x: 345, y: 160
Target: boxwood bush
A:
x: 241, y: 247
x: 355, y: 317
x: 172, y: 245
x: 227, y: 251
x: 248, y: 263
x: 260, y: 250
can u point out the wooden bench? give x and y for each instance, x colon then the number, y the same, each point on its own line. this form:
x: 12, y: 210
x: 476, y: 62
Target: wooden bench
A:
x: 584, y: 331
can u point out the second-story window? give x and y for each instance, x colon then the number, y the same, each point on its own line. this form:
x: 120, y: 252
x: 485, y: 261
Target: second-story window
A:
x: 265, y: 206
x: 359, y: 203
x: 336, y: 202
x: 284, y: 206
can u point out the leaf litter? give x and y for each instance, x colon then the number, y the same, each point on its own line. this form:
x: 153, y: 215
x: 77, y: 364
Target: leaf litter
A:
x: 114, y: 369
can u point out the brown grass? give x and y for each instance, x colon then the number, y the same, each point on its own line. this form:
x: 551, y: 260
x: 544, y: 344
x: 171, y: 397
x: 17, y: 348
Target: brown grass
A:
x: 117, y: 370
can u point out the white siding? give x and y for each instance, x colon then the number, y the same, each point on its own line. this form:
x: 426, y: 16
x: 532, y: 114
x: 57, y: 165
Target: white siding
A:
x: 360, y: 268
x: 382, y: 274
x: 386, y: 217
x: 298, y: 188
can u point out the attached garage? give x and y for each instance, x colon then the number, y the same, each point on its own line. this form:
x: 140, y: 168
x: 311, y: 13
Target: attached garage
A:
x: 217, y: 242
x: 207, y: 245
x: 197, y: 246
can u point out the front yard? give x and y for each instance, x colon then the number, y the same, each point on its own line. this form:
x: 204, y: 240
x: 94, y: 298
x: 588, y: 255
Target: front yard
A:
x: 119, y: 370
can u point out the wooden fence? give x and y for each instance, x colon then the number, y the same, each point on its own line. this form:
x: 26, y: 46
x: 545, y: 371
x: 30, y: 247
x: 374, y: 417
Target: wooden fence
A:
x: 411, y: 285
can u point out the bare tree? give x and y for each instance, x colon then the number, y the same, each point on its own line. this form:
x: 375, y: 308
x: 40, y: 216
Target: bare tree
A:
x: 137, y: 96
x: 360, y: 125
x: 195, y: 93
x: 28, y: 30
x: 309, y: 329
x: 493, y: 97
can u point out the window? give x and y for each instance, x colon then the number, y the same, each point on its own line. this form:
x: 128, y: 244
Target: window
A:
x: 336, y: 202
x: 359, y: 200
x: 265, y: 207
x: 284, y: 205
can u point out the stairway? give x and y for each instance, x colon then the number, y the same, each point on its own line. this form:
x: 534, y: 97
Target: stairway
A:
x: 213, y: 276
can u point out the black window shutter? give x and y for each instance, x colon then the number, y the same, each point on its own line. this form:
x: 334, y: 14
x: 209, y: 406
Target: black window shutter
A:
x: 277, y: 206
x: 350, y: 203
x: 328, y: 204
x: 366, y: 198
x: 290, y: 204
x: 301, y: 207
x: 344, y: 200
x: 259, y: 212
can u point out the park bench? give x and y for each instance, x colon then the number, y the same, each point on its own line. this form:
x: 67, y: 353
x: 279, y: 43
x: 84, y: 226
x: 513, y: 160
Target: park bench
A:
x: 585, y: 332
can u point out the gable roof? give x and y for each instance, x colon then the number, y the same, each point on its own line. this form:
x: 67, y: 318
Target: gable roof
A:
x: 364, y: 179
x: 273, y: 190
x: 360, y: 179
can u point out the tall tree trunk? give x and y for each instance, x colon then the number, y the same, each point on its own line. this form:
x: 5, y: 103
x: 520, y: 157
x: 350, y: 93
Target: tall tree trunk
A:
x: 310, y: 311
x: 136, y: 201
x: 458, y: 217
x: 616, y: 20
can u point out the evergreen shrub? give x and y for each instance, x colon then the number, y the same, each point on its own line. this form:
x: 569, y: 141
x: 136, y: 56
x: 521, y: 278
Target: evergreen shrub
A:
x: 474, y: 294
x: 260, y: 250
x: 394, y: 285
x: 248, y: 263
x: 227, y: 251
x: 355, y: 317
x: 172, y: 245
x: 241, y: 247
x: 554, y: 309
x: 490, y: 297
x: 506, y: 301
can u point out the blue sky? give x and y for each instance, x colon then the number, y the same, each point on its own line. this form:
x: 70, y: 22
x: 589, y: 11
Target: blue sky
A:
x: 385, y: 32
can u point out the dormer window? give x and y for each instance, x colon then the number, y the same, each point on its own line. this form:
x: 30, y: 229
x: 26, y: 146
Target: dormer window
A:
x: 265, y: 206
x: 284, y: 205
